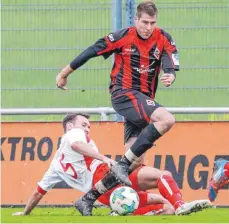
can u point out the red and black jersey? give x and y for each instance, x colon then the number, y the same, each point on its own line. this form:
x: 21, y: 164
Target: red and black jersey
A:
x: 137, y: 62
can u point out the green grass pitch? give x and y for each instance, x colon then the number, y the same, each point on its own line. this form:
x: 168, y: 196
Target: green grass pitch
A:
x: 69, y: 215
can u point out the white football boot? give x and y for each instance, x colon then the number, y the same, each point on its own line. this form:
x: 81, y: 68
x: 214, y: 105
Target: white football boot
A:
x: 193, y: 206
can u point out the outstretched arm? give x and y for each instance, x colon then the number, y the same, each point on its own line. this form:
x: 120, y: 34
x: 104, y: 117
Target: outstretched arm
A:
x: 104, y: 46
x: 61, y: 79
x: 33, y: 201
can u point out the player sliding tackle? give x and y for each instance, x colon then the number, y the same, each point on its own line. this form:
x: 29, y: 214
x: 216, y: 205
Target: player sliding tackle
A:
x: 79, y: 163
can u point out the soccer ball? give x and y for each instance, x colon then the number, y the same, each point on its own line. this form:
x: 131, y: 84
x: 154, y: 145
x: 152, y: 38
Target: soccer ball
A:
x: 124, y: 200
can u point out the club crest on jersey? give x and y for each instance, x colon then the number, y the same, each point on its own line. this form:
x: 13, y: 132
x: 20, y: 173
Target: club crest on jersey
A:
x: 150, y: 102
x: 156, y: 53
x: 130, y: 50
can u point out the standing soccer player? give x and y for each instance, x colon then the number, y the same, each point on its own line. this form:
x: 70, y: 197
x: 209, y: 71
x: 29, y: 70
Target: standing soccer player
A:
x: 140, y: 52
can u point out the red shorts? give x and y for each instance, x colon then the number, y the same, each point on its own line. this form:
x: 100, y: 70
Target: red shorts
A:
x: 100, y: 172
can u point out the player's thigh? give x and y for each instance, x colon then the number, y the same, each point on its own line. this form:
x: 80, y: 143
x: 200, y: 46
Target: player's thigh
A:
x: 161, y: 114
x: 49, y: 180
x: 134, y: 106
x: 147, y: 177
x: 148, y: 107
x: 134, y: 178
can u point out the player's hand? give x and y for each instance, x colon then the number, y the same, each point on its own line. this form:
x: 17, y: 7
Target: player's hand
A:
x: 167, y: 79
x: 61, y: 81
x: 18, y: 214
x: 109, y: 162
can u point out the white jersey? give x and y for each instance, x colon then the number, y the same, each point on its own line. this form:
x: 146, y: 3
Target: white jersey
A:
x: 74, y: 168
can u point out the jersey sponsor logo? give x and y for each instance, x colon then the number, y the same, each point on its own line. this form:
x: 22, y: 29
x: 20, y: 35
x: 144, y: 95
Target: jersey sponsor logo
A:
x: 130, y: 50
x: 175, y: 58
x: 144, y: 69
x: 111, y: 37
x: 156, y: 53
x: 150, y: 102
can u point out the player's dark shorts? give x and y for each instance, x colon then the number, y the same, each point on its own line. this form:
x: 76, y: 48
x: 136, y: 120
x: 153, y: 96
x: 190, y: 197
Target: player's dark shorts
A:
x: 136, y: 107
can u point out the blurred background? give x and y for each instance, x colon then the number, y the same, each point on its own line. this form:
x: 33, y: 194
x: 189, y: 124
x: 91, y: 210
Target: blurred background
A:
x: 39, y: 37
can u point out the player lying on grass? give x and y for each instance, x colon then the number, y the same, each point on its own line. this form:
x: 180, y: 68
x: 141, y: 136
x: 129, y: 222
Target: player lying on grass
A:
x: 219, y: 179
x: 80, y: 165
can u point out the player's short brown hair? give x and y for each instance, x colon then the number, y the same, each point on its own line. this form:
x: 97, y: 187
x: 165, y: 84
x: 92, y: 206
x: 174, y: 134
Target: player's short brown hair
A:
x: 71, y: 117
x: 146, y: 7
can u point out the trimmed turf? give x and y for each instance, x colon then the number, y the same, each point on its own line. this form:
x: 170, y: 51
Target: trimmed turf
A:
x: 66, y: 215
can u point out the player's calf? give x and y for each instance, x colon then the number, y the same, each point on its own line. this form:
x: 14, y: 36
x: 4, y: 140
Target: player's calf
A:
x: 170, y: 190
x: 144, y: 142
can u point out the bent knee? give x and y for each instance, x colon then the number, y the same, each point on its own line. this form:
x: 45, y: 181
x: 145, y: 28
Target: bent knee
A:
x: 164, y: 173
x: 166, y: 123
x: 169, y: 121
x: 167, y: 173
